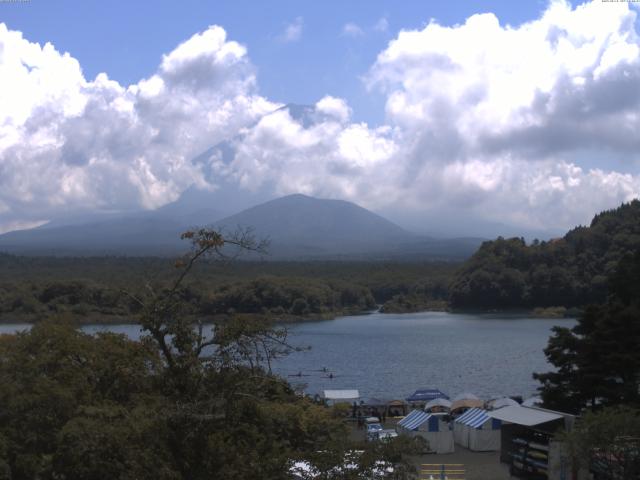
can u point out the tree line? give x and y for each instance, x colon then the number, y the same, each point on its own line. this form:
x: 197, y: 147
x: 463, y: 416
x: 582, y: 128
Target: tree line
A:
x: 90, y: 289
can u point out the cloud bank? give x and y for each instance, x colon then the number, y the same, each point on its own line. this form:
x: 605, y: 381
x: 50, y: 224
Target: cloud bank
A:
x: 482, y: 118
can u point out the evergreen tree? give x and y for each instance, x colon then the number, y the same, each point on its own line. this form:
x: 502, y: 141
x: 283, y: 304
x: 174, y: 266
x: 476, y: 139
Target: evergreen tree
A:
x: 598, y: 360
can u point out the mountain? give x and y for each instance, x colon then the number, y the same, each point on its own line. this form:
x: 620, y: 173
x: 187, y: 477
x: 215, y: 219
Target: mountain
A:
x: 154, y: 232
x: 298, y: 227
x: 571, y: 271
x: 303, y: 227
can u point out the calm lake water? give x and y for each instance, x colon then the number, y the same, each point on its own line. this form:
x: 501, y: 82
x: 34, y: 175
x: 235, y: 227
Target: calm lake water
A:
x: 390, y: 356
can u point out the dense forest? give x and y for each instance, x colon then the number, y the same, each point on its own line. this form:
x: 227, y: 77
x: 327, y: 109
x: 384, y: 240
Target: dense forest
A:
x: 97, y: 289
x: 571, y: 271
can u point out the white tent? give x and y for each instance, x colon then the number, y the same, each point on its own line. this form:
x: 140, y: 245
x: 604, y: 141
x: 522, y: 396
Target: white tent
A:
x: 465, y: 396
x: 477, y: 431
x: 333, y: 397
x: 438, y: 402
x: 431, y: 427
x: 501, y: 402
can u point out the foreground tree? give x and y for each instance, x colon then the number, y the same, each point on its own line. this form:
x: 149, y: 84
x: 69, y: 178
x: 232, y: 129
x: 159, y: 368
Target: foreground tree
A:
x: 598, y: 360
x: 608, y: 443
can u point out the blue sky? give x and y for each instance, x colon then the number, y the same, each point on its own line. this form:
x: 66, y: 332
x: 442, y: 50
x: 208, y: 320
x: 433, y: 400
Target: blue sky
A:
x: 126, y: 39
x: 456, y: 115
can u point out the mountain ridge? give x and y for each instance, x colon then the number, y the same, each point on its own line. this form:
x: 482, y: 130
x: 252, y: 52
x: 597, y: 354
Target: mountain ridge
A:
x: 299, y: 227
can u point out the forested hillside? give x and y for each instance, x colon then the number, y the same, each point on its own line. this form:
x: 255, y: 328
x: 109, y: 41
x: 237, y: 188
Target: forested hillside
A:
x: 571, y: 271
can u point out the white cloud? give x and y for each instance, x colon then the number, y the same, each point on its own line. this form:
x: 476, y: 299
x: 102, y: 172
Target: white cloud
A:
x: 489, y: 112
x: 382, y: 25
x: 326, y: 158
x: 70, y: 144
x: 335, y: 107
x: 352, y: 30
x: 293, y: 31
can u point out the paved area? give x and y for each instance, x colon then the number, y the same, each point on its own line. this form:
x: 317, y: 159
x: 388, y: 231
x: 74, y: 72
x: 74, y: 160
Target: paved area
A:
x: 464, y: 464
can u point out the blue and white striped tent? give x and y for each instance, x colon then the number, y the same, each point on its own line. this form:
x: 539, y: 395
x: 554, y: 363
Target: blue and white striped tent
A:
x: 417, y: 418
x: 431, y: 427
x: 474, y: 417
x: 477, y: 431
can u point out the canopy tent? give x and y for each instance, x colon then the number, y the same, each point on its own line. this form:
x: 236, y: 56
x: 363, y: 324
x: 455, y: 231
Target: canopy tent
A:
x: 477, y: 431
x: 467, y: 403
x: 438, y: 404
x: 426, y: 394
x: 532, y: 402
x: 333, y: 397
x: 397, y: 408
x: 433, y: 428
x: 502, y: 402
x: 414, y: 420
x: 465, y: 396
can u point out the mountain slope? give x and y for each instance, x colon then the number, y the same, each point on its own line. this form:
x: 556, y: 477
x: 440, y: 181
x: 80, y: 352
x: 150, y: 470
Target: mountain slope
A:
x: 314, y: 226
x: 155, y: 232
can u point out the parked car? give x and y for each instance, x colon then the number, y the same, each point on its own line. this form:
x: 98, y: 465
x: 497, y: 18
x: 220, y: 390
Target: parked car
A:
x: 381, y: 435
x: 372, y: 431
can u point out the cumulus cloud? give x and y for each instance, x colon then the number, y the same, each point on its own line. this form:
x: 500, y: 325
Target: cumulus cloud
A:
x: 329, y: 157
x: 352, y: 30
x: 70, y: 144
x: 489, y: 111
x: 293, y: 31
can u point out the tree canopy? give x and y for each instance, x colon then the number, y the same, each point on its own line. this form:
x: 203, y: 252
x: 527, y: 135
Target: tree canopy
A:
x: 571, y: 271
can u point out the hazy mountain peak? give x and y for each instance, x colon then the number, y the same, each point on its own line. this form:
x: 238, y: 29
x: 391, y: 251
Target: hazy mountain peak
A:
x: 299, y: 227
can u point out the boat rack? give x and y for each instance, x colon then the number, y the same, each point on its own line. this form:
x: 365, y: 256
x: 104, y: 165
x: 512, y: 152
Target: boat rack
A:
x: 530, y: 456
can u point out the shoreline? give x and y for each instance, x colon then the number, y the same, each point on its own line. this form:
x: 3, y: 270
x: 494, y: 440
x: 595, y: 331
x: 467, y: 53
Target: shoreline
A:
x: 99, y: 319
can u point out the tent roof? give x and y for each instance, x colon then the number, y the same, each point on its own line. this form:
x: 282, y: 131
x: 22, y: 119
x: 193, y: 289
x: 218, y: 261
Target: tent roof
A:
x: 524, y: 415
x: 426, y: 394
x: 341, y: 394
x: 465, y: 396
x: 474, y: 418
x: 438, y: 402
x: 467, y: 403
x: 414, y: 419
x: 502, y: 402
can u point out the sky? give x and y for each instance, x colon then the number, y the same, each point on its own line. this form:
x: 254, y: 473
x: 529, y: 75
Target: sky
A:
x: 454, y: 116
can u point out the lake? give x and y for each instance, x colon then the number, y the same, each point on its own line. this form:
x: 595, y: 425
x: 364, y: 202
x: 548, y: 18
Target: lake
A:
x: 392, y: 355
